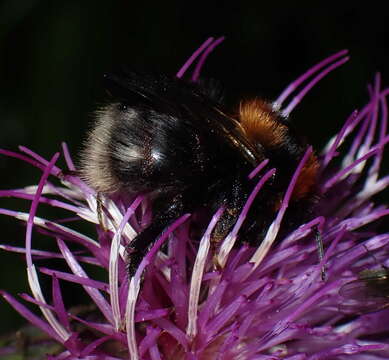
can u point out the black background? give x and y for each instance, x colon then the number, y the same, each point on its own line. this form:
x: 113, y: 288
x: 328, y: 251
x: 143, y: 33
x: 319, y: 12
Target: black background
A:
x: 53, y: 55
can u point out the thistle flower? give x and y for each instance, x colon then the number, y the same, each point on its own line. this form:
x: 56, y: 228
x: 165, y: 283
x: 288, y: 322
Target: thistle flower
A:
x: 267, y: 302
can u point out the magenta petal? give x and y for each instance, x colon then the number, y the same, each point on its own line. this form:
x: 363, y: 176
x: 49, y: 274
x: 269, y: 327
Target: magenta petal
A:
x: 34, y: 206
x: 211, y: 304
x: 149, y: 340
x: 34, y: 301
x: 76, y: 279
x: 90, y: 349
x: 32, y: 318
x: 174, y: 331
x: 189, y: 62
x: 297, y: 99
x: 59, y: 306
x: 23, y: 158
x: 98, y: 299
x: 203, y: 58
x: 308, y: 74
x: 67, y: 157
x: 225, y: 315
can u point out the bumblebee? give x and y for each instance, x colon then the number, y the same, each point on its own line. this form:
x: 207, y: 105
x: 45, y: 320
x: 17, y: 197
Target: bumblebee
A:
x: 175, y: 141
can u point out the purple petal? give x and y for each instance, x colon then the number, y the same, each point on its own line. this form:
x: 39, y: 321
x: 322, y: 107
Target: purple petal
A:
x: 296, y: 83
x: 203, y: 58
x: 76, y: 268
x: 32, y: 318
x: 297, y: 99
x: 59, y: 306
x: 193, y: 57
x: 76, y: 279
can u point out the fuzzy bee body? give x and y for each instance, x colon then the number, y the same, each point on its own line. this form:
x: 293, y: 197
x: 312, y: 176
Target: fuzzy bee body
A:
x: 167, y: 137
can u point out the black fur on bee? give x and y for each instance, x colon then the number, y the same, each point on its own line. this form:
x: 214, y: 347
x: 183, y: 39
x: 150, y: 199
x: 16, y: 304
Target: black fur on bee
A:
x: 175, y: 141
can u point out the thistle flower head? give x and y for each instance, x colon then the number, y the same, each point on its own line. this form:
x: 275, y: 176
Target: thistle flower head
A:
x: 267, y: 302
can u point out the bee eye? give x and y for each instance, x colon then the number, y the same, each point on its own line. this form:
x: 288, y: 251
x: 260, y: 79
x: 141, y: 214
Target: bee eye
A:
x: 122, y: 107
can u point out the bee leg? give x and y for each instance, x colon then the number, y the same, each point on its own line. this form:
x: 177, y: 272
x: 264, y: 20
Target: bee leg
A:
x: 100, y: 211
x: 234, y: 205
x: 224, y: 225
x: 320, y: 252
x: 221, y: 230
x: 165, y: 211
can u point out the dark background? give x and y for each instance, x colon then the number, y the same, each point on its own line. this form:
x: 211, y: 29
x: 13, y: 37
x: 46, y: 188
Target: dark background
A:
x: 53, y: 55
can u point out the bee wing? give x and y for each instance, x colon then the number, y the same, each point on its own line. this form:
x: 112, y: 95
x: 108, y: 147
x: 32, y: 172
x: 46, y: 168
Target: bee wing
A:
x: 362, y: 296
x: 175, y: 97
